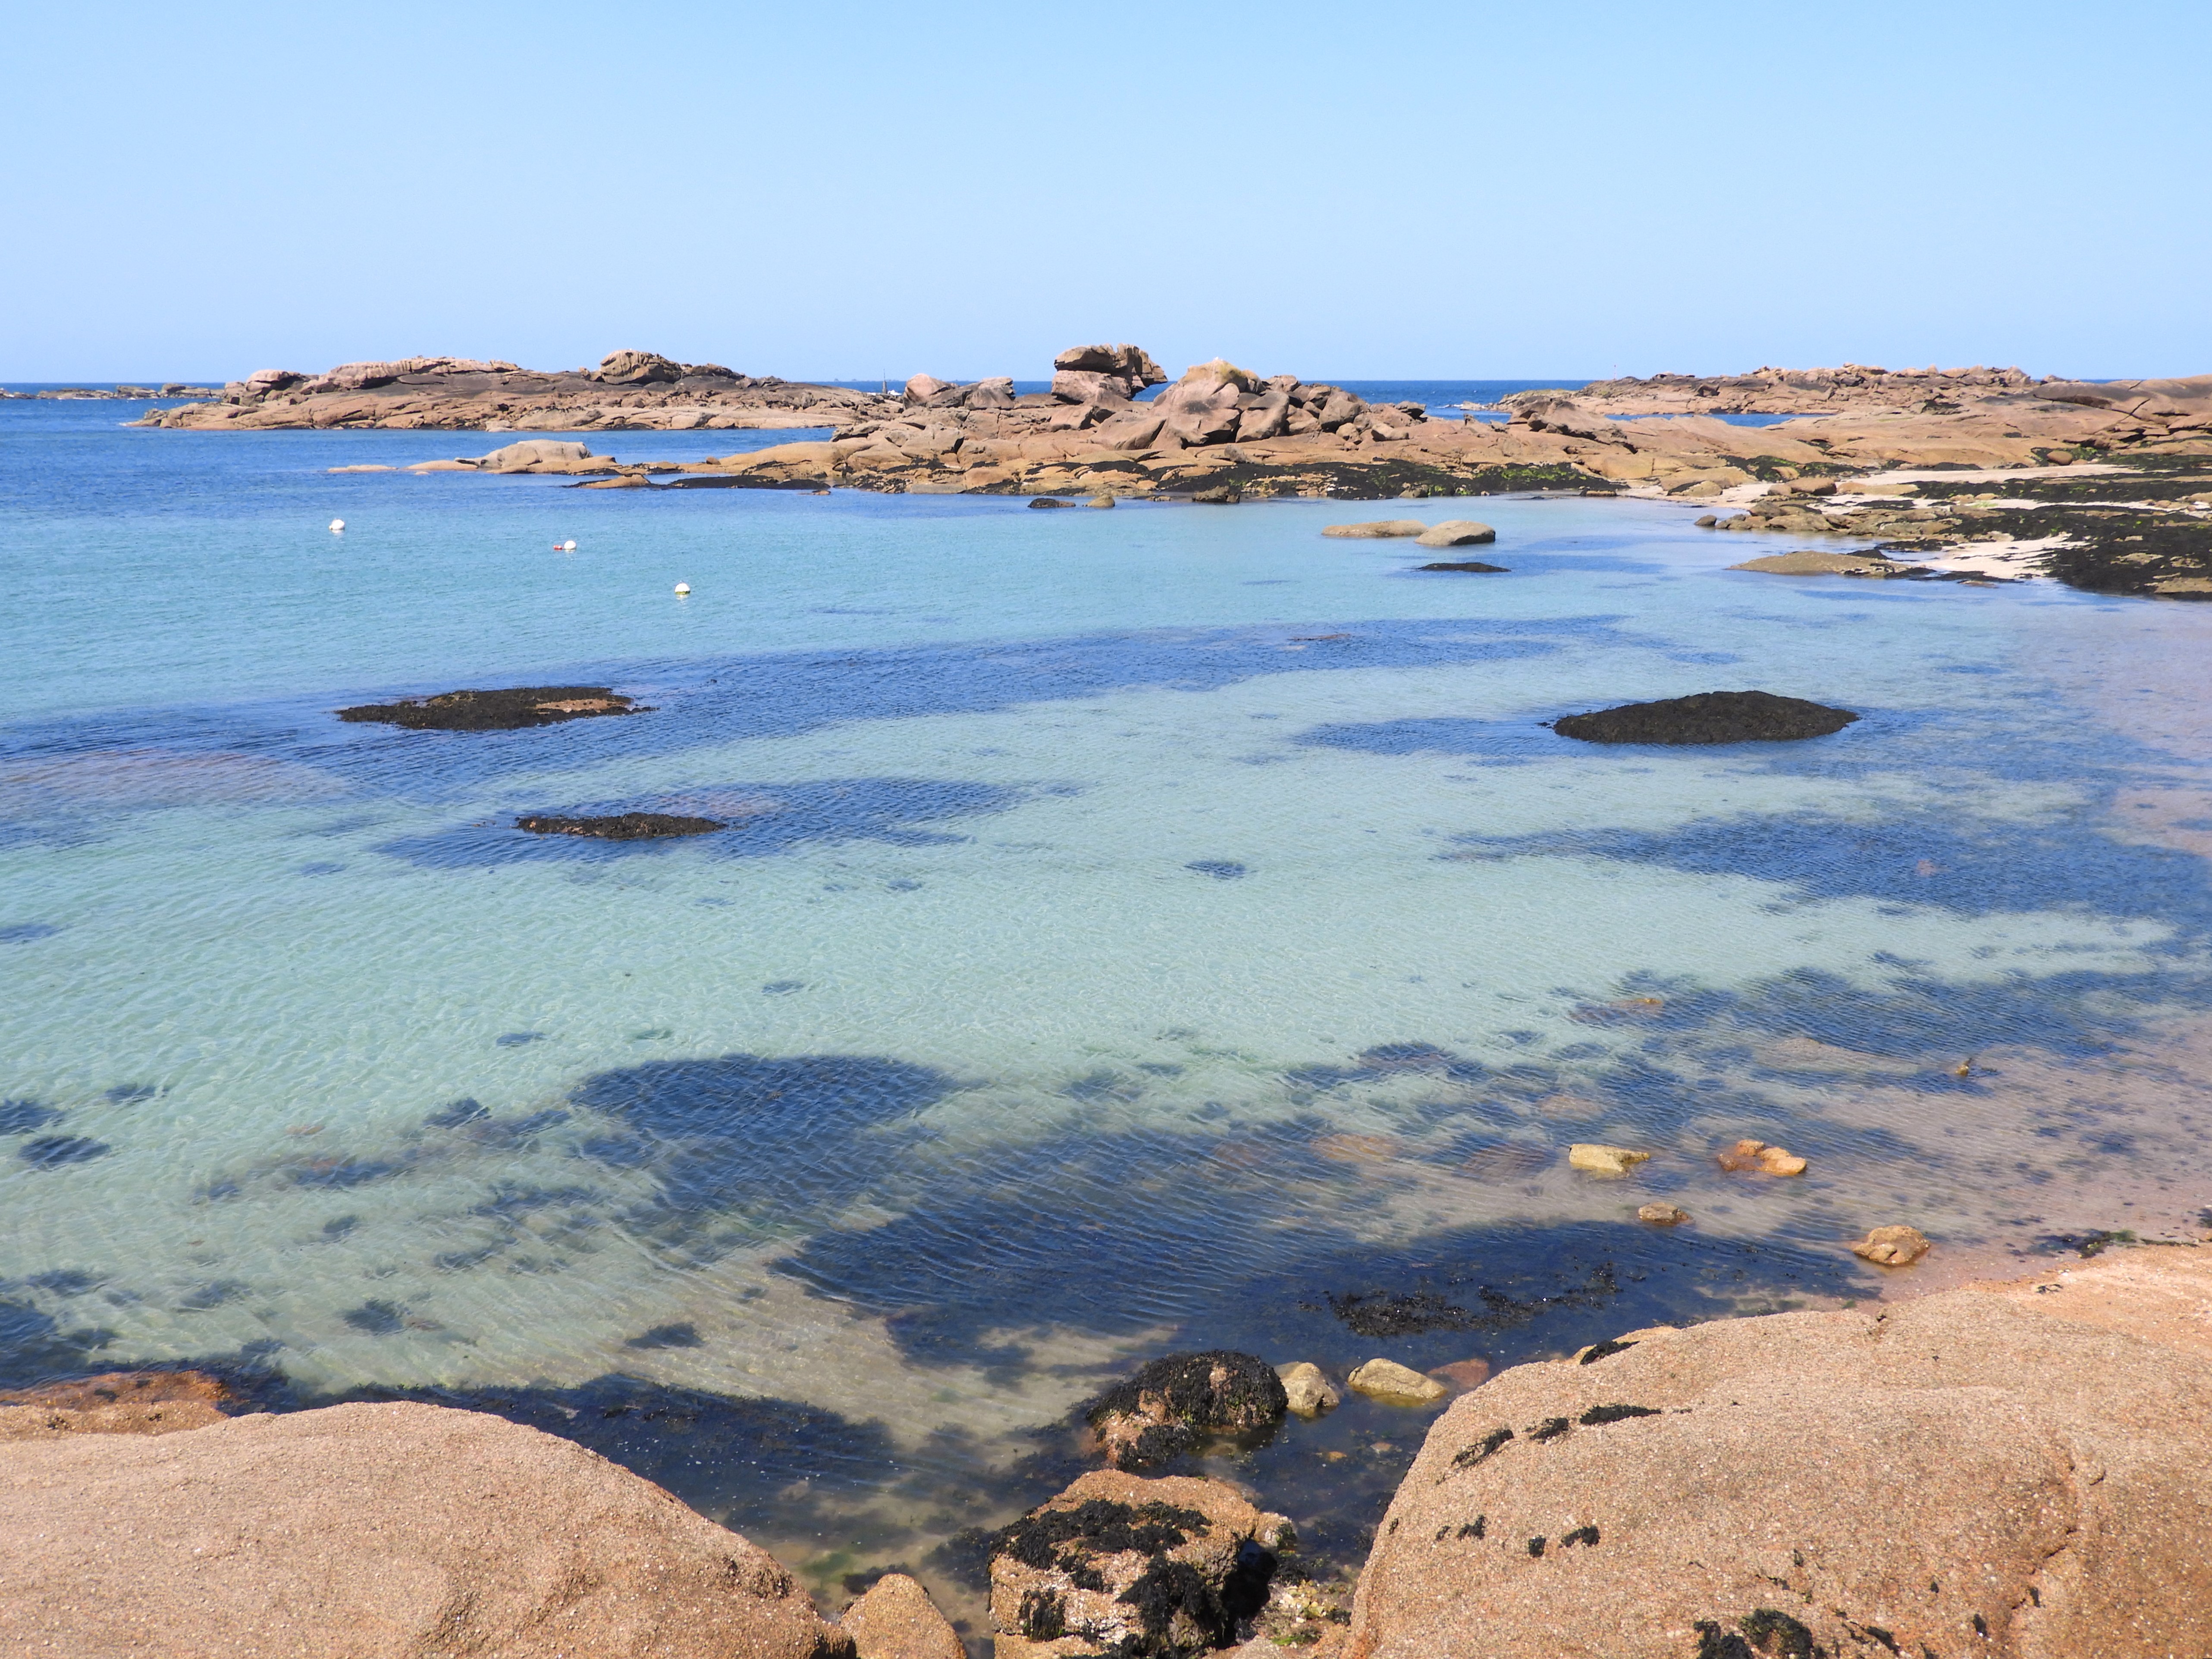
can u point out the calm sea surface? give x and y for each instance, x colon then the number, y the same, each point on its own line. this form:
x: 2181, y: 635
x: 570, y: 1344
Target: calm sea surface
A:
x: 1142, y: 930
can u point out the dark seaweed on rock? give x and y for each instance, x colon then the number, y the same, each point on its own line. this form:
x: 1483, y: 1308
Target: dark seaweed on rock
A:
x: 1171, y: 1405
x: 1708, y: 717
x: 1383, y: 1313
x: 495, y: 711
x: 1099, y: 1525
x: 621, y: 826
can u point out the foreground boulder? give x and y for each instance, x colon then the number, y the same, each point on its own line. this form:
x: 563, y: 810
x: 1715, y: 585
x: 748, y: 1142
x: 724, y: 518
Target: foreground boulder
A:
x: 896, y: 1619
x: 1139, y: 1569
x: 496, y: 711
x: 2018, y: 1471
x: 1708, y: 717
x: 375, y: 1530
x: 1174, y: 1406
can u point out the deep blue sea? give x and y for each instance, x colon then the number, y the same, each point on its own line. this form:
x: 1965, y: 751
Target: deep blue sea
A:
x: 1138, y: 930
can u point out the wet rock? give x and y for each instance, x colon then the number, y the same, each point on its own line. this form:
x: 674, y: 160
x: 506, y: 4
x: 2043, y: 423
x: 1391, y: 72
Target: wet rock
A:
x: 1597, y: 1158
x: 896, y: 1619
x: 116, y: 1402
x: 622, y: 826
x: 1139, y: 1568
x: 1309, y: 1393
x: 1376, y: 529
x: 1049, y: 501
x: 1472, y: 567
x: 508, y: 710
x: 1173, y: 1406
x: 1708, y: 717
x: 1456, y: 532
x: 1662, y: 1215
x: 1393, y: 1384
x: 1893, y: 1246
x: 1217, y: 495
x: 388, y: 1530
x: 1463, y: 1373
x: 1985, y: 1470
x: 1758, y: 1155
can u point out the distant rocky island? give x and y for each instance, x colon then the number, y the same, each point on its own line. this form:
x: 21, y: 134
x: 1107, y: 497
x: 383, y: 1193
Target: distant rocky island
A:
x: 118, y: 392
x: 629, y: 391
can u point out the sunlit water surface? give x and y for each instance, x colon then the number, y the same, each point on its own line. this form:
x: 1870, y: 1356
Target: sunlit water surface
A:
x: 1138, y: 930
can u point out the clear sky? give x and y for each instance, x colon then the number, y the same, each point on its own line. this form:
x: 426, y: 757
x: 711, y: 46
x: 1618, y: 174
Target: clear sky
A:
x: 1424, y: 190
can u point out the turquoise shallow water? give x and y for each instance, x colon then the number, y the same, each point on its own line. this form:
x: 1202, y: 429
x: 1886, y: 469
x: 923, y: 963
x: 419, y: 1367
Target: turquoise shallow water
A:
x: 1154, y: 928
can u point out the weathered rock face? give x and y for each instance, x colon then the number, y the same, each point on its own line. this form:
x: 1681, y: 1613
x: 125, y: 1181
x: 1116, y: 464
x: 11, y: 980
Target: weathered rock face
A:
x: 377, y: 1530
x: 629, y: 391
x: 496, y: 711
x: 1139, y: 1568
x: 2023, y: 1472
x: 1708, y: 717
x: 1174, y: 1406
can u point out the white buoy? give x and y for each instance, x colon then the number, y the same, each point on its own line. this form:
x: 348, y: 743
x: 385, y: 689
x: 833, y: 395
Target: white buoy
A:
x: 683, y: 589
x: 568, y: 546
x: 337, y: 525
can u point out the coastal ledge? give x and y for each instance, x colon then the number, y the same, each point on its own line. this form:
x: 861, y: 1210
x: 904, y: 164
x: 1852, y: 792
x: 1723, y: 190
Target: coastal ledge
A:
x: 2019, y: 1470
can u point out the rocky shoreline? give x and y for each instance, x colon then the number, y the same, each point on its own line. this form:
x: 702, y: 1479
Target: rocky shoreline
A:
x: 115, y: 393
x: 2019, y: 1469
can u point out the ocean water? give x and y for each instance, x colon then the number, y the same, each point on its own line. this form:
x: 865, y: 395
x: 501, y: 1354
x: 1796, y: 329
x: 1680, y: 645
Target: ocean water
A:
x: 1137, y: 931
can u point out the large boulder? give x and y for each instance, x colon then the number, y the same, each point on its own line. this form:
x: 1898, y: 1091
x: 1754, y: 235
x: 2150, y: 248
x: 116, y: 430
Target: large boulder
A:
x: 375, y: 1530
x: 636, y: 368
x: 1139, y: 1568
x: 2023, y: 1471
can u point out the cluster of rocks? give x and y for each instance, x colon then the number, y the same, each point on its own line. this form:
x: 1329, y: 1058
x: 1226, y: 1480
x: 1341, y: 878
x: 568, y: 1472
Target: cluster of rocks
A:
x: 628, y: 390
x: 2018, y: 1469
x: 1790, y: 390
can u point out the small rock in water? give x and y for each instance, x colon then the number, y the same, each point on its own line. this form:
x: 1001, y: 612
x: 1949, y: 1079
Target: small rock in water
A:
x: 1050, y: 501
x: 1662, y: 1215
x: 1600, y: 1159
x: 1456, y: 532
x: 1217, y: 495
x: 1100, y: 500
x: 1758, y: 1155
x: 1893, y: 1246
x: 1310, y: 1393
x: 1172, y: 1406
x: 622, y: 826
x: 896, y: 1619
x: 1463, y: 1373
x: 1393, y: 1384
x: 1708, y: 717
x: 1471, y: 566
x: 495, y: 711
x: 1378, y: 529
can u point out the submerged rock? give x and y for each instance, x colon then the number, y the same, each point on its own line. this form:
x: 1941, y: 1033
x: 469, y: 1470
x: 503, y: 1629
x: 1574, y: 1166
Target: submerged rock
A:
x: 1661, y: 1214
x: 1893, y: 1246
x: 1708, y: 717
x: 1758, y: 1155
x: 1990, y: 1470
x: 1173, y: 1406
x: 1597, y: 1158
x: 115, y: 1402
x: 622, y: 826
x: 1134, y: 1568
x: 1394, y: 1384
x: 1309, y: 1393
x: 1473, y: 567
x: 380, y: 1530
x: 508, y: 710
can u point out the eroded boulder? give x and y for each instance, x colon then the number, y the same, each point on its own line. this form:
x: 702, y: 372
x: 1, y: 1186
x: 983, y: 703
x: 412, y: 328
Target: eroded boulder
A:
x: 1138, y: 1569
x: 385, y: 1531
x: 1173, y: 1406
x: 2015, y: 1470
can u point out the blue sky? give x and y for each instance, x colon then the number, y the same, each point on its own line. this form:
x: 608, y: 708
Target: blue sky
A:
x: 1418, y: 190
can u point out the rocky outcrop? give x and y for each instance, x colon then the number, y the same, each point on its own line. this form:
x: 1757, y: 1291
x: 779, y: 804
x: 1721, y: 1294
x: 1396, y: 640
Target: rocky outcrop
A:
x: 1174, y: 1406
x: 508, y: 710
x: 1784, y: 391
x: 628, y: 390
x: 375, y: 1530
x: 1708, y: 717
x: 2020, y: 1471
x: 1139, y: 1569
